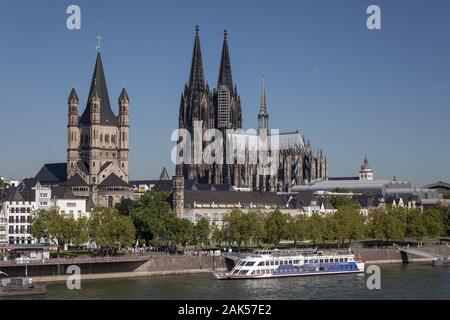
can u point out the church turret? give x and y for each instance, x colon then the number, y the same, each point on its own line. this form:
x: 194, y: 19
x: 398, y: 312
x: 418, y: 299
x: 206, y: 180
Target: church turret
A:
x: 95, y: 106
x: 72, y: 101
x: 123, y: 130
x: 366, y: 172
x: 73, y: 133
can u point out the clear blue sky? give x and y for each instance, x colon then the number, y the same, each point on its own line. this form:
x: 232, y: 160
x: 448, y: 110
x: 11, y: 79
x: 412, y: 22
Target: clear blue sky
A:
x: 348, y: 89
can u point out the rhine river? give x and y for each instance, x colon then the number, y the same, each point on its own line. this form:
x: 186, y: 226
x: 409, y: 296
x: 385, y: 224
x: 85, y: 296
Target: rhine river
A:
x: 413, y: 281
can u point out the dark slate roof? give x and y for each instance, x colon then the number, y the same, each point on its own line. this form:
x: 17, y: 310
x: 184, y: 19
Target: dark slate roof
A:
x: 342, y: 178
x: 84, y: 166
x: 105, y: 165
x: 326, y: 203
x: 113, y: 181
x: 72, y: 96
x: 52, y: 173
x: 439, y: 184
x: 98, y: 83
x: 27, y: 184
x: 123, y: 96
x: 164, y: 175
x: 231, y: 197
x: 14, y: 195
x: 368, y: 201
x: 62, y: 192
x: 76, y: 181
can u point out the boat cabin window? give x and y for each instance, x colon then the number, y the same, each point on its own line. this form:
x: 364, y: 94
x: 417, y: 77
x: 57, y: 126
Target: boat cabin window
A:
x: 249, y: 263
x: 346, y: 259
x: 321, y: 260
x: 326, y: 260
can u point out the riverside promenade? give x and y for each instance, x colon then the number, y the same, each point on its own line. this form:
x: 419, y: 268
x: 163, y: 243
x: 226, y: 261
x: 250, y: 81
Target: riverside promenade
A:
x: 130, y: 265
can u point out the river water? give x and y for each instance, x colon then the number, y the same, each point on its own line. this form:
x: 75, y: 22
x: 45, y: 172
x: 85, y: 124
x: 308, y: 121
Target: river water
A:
x: 413, y: 281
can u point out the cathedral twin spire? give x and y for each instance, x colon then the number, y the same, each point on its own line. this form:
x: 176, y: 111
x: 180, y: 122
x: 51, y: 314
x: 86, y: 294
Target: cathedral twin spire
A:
x: 197, y: 77
x: 225, y: 77
x: 198, y: 103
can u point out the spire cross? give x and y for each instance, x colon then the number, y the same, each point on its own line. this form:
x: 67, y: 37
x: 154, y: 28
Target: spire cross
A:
x: 99, y: 43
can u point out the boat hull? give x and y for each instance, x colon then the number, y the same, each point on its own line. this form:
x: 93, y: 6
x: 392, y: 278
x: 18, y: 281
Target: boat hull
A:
x: 269, y: 276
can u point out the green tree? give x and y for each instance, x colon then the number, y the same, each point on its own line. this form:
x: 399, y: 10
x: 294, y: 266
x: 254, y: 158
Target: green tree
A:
x: 232, y: 227
x: 445, y: 215
x: 416, y: 225
x: 179, y: 231
x: 108, y: 229
x: 348, y: 224
x: 217, y: 236
x: 202, y: 231
x: 316, y: 228
x: 58, y: 229
x: 377, y: 222
x: 276, y: 226
x: 149, y: 214
x: 433, y: 222
x: 126, y: 206
x: 395, y: 224
x: 298, y: 228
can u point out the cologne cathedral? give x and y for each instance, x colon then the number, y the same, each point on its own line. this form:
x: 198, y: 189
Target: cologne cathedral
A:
x: 220, y: 108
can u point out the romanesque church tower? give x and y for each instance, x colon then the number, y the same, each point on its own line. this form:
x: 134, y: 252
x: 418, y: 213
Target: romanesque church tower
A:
x: 97, y: 153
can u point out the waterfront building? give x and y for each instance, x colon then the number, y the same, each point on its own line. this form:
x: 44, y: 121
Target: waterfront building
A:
x: 18, y: 207
x: 221, y: 109
x: 441, y: 187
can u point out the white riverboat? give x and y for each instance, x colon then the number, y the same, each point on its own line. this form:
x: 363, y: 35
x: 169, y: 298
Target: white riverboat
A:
x: 290, y: 263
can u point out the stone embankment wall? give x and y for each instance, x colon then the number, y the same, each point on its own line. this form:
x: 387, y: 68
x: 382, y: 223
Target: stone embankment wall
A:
x: 168, y: 263
x: 392, y: 255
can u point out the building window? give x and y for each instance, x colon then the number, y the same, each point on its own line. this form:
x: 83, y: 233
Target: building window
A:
x: 110, y: 201
x: 71, y: 204
x: 11, y: 210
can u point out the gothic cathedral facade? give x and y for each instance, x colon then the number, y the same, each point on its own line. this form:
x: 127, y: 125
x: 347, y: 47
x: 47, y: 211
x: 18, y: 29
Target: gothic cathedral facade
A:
x: 221, y: 109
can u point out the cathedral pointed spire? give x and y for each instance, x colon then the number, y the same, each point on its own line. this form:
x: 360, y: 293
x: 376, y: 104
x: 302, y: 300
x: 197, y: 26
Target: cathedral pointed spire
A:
x: 263, y: 108
x: 197, y: 77
x: 263, y: 116
x: 225, y: 77
x: 99, y: 87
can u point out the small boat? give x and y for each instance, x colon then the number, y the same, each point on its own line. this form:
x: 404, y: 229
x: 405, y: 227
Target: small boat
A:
x: 20, y: 286
x: 264, y: 264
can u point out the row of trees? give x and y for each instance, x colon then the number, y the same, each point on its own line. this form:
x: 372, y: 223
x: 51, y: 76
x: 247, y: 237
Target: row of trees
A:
x: 151, y: 220
x: 105, y: 226
x: 155, y: 222
x: 344, y: 226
